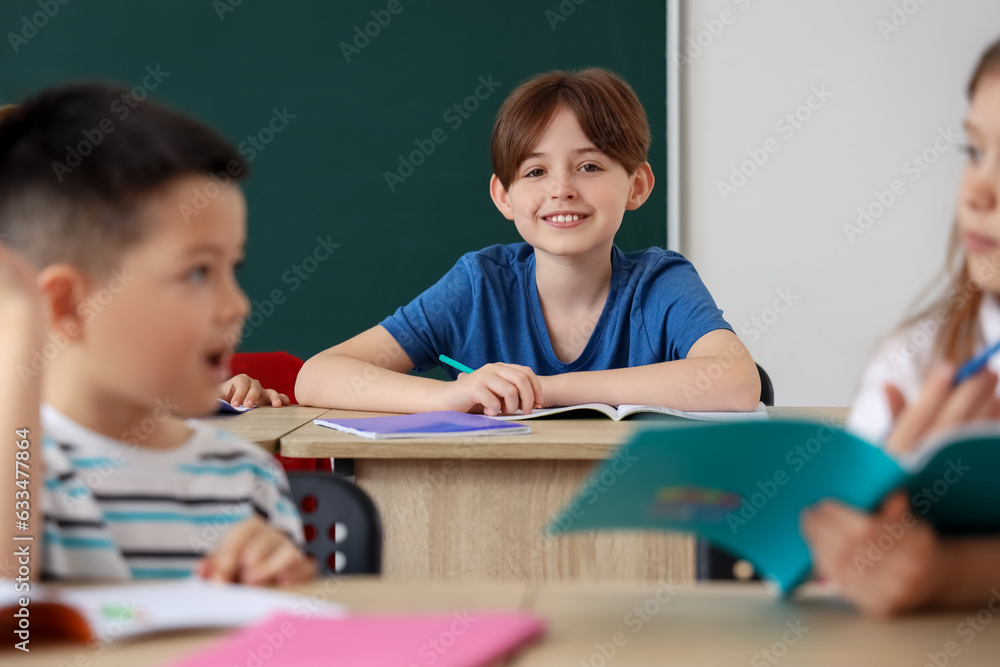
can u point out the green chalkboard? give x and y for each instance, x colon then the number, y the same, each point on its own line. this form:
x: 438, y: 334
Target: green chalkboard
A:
x: 325, y: 97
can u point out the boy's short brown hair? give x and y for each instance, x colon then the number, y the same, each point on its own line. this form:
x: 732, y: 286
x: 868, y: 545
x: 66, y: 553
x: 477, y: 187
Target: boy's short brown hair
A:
x: 606, y: 107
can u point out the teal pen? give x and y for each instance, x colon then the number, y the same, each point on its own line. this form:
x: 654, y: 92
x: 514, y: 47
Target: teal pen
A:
x: 454, y: 364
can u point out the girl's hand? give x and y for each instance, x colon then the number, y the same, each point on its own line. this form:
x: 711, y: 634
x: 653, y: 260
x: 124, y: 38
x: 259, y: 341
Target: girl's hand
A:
x: 940, y: 406
x: 496, y: 389
x: 884, y: 563
x: 243, y: 390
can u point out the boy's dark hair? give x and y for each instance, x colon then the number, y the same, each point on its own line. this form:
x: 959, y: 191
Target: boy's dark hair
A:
x: 606, y: 107
x: 76, y: 163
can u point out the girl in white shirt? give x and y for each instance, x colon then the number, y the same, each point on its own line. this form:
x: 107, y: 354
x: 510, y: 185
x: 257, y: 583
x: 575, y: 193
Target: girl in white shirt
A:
x: 908, y: 392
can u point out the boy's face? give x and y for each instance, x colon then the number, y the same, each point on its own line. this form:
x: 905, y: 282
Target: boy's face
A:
x: 978, y: 211
x: 162, y: 331
x: 567, y: 197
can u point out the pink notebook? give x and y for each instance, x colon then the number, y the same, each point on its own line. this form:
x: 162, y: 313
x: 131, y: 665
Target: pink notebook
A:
x: 461, y: 639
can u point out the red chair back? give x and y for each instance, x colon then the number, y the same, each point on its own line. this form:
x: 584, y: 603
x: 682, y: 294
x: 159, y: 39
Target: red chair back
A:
x: 276, y: 370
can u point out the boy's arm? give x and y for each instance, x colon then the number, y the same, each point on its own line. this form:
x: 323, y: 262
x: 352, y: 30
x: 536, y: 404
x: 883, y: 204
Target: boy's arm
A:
x: 370, y: 372
x: 23, y: 476
x: 367, y: 372
x: 718, y: 374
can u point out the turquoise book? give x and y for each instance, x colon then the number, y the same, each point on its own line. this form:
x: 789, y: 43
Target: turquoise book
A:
x: 743, y: 486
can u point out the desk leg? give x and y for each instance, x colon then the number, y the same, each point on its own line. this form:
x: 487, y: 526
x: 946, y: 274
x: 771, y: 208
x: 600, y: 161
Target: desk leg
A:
x: 484, y: 519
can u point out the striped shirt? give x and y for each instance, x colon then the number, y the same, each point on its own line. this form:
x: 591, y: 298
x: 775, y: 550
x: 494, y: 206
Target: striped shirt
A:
x: 115, y: 510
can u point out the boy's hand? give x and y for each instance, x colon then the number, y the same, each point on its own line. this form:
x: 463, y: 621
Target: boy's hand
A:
x: 243, y: 390
x: 496, y: 388
x: 898, y: 573
x: 940, y: 406
x: 255, y: 552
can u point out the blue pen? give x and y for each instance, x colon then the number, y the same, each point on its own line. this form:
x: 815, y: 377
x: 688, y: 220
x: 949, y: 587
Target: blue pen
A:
x: 454, y: 364
x: 976, y: 364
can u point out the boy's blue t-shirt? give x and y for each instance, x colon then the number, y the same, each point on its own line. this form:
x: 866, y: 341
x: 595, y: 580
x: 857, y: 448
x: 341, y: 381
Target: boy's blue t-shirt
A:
x: 486, y: 310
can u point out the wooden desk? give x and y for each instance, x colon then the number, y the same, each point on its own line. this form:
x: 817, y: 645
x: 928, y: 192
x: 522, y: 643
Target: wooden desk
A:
x: 635, y: 624
x: 265, y: 425
x: 476, y: 508
x: 741, y: 624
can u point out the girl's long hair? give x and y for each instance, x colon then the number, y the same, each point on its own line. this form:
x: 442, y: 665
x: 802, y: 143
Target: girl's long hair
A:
x: 958, y: 309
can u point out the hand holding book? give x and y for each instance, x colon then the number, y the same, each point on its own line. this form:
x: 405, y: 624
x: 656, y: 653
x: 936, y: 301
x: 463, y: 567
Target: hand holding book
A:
x: 885, y: 562
x: 912, y: 572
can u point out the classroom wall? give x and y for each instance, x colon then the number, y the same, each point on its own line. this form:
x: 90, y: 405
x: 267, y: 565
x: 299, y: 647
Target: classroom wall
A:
x: 809, y: 296
x: 366, y: 125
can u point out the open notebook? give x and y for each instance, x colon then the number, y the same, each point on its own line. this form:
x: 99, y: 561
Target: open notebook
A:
x: 623, y: 411
x: 83, y: 613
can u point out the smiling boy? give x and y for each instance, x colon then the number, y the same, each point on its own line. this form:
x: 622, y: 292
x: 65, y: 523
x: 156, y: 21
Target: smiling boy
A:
x: 565, y: 317
x: 131, y: 488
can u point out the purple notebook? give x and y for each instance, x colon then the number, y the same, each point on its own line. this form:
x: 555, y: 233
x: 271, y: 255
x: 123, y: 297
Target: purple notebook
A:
x: 424, y: 425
